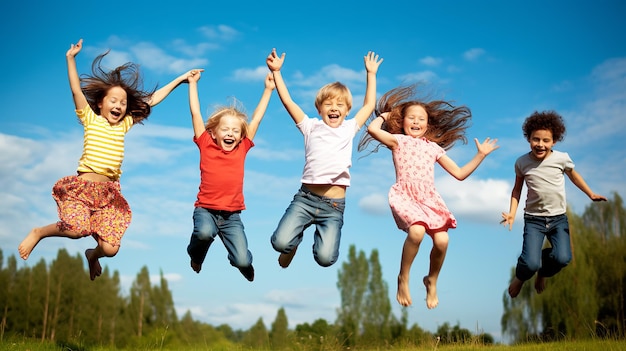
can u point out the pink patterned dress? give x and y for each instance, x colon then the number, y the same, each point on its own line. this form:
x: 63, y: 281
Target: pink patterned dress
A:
x: 413, y: 198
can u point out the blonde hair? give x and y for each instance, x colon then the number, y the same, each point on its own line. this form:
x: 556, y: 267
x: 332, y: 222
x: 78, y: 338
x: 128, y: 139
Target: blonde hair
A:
x: 333, y: 90
x: 236, y: 109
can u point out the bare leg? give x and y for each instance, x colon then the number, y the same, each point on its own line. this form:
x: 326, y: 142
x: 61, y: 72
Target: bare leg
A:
x: 540, y: 283
x: 437, y: 256
x: 409, y: 251
x: 515, y: 287
x: 36, y: 234
x: 93, y: 256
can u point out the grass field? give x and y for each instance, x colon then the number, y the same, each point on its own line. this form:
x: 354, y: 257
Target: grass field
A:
x: 586, y: 345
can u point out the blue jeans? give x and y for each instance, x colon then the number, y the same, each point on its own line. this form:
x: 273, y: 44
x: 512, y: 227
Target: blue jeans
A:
x: 306, y: 209
x: 548, y: 261
x: 207, y: 224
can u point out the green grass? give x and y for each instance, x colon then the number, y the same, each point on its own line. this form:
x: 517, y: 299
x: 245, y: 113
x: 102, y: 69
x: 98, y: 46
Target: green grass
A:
x: 586, y: 345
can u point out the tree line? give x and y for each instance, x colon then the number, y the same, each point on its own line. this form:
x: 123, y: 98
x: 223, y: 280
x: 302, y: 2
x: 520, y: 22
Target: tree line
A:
x: 58, y: 303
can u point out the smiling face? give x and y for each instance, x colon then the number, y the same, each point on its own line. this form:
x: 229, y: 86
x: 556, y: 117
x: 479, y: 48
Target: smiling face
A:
x: 415, y: 122
x: 541, y: 143
x: 113, y: 105
x: 228, y: 133
x: 333, y: 111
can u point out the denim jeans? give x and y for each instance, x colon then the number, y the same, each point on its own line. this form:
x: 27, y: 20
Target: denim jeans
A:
x: 548, y: 261
x: 305, y: 210
x: 207, y: 224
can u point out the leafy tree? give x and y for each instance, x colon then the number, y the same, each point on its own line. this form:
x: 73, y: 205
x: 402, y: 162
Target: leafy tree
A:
x: 352, y: 284
x: 257, y: 337
x: 140, y: 305
x: 377, y: 317
x: 279, y: 334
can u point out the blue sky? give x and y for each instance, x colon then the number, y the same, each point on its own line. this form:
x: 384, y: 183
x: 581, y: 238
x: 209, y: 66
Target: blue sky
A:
x: 503, y: 59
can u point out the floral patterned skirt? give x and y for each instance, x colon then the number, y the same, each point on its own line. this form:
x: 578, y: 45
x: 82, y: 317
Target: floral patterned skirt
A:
x: 92, y: 208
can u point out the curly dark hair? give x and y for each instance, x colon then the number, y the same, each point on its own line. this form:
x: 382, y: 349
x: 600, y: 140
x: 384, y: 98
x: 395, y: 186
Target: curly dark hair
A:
x: 127, y: 76
x: 545, y: 120
x: 446, y: 123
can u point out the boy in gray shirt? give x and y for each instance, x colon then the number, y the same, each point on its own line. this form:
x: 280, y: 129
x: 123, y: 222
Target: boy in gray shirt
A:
x: 542, y: 170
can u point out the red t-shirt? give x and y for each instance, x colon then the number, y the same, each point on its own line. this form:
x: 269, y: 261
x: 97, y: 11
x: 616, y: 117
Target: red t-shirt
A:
x: 221, y: 174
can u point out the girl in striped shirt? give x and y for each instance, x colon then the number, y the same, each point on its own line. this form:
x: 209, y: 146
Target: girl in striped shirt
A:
x: 108, y: 104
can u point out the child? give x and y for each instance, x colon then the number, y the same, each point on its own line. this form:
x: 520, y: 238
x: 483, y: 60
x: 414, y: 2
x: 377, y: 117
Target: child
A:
x: 545, y: 212
x: 328, y: 153
x: 224, y: 143
x: 91, y: 203
x: 418, y: 133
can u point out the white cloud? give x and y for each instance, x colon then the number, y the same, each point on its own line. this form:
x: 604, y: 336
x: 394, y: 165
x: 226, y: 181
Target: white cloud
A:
x: 423, y: 76
x: 473, y: 54
x: 247, y: 74
x: 376, y: 203
x: 220, y: 32
x: 431, y: 61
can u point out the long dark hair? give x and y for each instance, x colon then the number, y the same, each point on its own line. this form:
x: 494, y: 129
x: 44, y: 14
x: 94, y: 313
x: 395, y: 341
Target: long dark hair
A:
x: 446, y: 123
x: 127, y: 76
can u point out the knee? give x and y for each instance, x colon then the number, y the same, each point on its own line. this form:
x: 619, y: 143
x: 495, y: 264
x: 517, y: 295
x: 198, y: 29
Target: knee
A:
x: 441, y: 240
x: 325, y: 260
x: 110, y: 250
x: 279, y: 244
x: 204, y: 232
x: 415, y: 235
x: 561, y: 257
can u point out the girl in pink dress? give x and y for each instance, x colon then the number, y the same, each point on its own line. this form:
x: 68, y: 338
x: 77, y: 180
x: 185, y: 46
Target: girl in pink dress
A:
x: 418, y: 133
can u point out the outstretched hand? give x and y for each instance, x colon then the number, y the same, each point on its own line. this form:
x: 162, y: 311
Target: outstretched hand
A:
x: 507, y: 218
x: 74, y: 49
x: 372, y: 62
x: 487, y: 146
x: 596, y: 197
x: 275, y: 62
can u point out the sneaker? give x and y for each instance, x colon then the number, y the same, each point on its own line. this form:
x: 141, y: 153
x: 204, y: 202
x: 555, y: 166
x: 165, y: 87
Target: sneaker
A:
x: 284, y: 260
x: 248, y: 272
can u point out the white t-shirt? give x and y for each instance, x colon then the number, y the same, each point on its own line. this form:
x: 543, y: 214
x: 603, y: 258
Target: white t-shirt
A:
x: 327, y: 151
x: 546, y: 183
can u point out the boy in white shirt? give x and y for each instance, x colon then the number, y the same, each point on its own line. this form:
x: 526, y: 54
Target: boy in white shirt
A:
x: 328, y: 153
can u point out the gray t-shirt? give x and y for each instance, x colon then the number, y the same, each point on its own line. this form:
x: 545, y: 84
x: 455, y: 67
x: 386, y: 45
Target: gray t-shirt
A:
x: 545, y: 182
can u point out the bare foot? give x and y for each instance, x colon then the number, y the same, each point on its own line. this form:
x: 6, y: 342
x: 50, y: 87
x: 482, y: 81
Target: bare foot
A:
x: 284, y: 259
x: 196, y: 266
x: 515, y: 287
x: 404, y: 294
x: 431, y: 293
x: 28, y: 244
x: 95, y: 269
x: 540, y: 284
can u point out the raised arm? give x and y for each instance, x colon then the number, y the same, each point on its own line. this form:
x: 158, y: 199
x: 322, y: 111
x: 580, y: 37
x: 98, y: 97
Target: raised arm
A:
x: 164, y: 91
x: 80, y: 101
x: 194, y: 103
x: 461, y: 173
x: 274, y: 63
x: 509, y: 218
x: 377, y: 132
x: 580, y: 183
x: 372, y: 62
x: 259, y: 111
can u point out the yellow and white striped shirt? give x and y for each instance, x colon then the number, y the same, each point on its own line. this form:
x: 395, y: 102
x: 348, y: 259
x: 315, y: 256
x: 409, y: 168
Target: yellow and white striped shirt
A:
x: 103, y: 144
